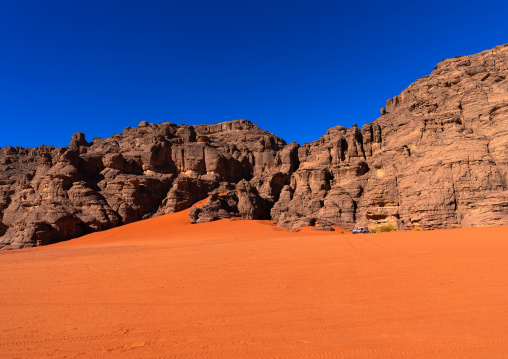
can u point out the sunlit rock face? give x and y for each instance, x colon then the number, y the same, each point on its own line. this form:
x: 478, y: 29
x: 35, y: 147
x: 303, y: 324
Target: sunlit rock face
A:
x: 52, y: 194
x: 436, y: 158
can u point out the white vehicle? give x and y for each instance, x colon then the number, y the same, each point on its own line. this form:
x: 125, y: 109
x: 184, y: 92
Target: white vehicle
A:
x: 360, y: 230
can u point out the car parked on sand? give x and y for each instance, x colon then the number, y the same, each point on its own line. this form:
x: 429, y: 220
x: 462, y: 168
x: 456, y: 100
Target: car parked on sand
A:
x: 360, y: 230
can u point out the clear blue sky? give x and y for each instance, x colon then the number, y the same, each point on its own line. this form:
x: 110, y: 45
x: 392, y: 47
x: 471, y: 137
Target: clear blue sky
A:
x: 295, y: 68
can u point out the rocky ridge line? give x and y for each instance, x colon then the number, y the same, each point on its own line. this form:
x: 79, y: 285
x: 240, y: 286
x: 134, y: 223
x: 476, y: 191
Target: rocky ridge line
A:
x: 436, y: 158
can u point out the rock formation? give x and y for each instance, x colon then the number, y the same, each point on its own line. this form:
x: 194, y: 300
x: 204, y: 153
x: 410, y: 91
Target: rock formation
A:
x: 52, y: 194
x: 436, y: 158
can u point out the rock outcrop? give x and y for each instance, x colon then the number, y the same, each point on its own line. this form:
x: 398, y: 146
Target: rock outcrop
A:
x: 437, y: 157
x: 52, y: 194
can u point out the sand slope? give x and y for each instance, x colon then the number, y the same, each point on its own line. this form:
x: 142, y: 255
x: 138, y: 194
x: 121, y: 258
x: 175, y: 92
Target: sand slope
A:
x: 163, y: 288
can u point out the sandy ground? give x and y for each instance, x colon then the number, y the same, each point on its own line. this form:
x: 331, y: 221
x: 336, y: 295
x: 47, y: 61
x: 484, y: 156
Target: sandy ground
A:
x: 163, y: 288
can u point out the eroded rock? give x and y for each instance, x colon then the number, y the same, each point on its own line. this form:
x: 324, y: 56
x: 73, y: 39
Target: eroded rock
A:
x: 436, y: 158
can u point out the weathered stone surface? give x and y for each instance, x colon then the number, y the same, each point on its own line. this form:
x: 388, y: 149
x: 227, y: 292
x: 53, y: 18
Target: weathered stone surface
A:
x: 436, y: 158
x: 77, y: 140
x: 52, y: 194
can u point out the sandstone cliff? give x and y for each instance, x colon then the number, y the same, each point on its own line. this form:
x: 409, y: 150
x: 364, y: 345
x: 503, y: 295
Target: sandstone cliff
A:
x: 51, y: 194
x: 436, y: 158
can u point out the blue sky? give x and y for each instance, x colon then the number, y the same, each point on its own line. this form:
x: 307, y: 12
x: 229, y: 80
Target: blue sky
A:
x: 295, y: 68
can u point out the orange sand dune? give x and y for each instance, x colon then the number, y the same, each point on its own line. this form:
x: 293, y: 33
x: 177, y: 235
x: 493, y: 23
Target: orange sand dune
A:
x: 163, y: 288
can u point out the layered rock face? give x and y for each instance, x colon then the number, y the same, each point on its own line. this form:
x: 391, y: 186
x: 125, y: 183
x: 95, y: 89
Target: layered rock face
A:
x: 52, y: 194
x: 436, y: 158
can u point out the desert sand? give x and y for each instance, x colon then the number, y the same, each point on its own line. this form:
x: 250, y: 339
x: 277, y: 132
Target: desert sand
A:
x: 163, y: 288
